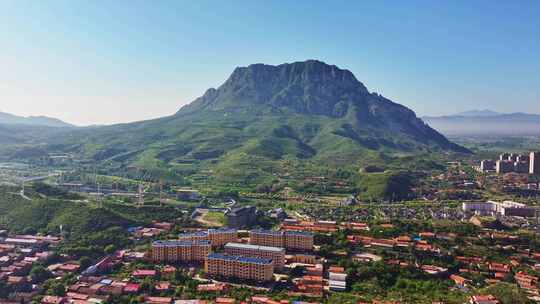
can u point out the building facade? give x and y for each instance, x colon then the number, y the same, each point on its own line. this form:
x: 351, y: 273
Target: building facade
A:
x: 534, y: 163
x: 276, y: 254
x: 506, y: 208
x: 293, y: 240
x: 217, y: 237
x: 222, y: 236
x: 242, y: 217
x: 504, y: 166
x: 180, y: 251
x: 246, y: 268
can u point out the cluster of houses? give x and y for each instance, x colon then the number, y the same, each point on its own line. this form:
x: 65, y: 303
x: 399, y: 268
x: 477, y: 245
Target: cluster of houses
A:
x: 18, y: 254
x: 288, y: 249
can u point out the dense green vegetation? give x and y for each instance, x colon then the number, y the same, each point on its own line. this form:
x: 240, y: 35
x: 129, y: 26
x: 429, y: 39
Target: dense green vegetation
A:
x: 305, y: 119
x: 87, y: 228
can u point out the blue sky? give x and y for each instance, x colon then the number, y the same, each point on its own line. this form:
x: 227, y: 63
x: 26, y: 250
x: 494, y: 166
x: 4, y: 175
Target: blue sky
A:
x: 101, y: 62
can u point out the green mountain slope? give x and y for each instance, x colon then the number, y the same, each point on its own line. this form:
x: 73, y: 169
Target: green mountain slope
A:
x: 264, y: 121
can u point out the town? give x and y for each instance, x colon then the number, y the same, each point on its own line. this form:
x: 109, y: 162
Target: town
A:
x: 300, y: 261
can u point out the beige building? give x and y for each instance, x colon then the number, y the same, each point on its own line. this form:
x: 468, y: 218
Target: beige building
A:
x: 534, y: 163
x: 217, y: 237
x: 246, y: 268
x: 180, y: 251
x: 276, y: 254
x: 293, y: 240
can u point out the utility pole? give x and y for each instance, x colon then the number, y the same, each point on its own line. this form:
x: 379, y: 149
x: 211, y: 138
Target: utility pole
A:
x: 100, y: 201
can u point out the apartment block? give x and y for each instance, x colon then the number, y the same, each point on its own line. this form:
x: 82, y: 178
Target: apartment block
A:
x: 521, y: 167
x: 194, y: 236
x: 180, y: 251
x: 222, y: 236
x: 294, y: 240
x: 487, y: 165
x: 504, y: 156
x: 534, y: 163
x: 504, y: 166
x: 298, y: 240
x: 217, y: 237
x: 269, y: 238
x: 246, y: 268
x: 276, y: 254
x: 523, y: 158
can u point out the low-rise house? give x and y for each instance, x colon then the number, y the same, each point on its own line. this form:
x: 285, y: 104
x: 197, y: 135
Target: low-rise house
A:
x: 158, y: 300
x: 132, y: 288
x: 163, y: 286
x: 459, y: 280
x: 143, y: 273
x: 483, y: 299
x: 53, y: 300
x: 215, y: 287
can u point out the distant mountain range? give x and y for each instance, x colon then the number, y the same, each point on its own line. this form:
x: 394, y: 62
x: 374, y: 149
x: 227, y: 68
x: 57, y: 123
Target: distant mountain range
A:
x: 10, y: 119
x: 478, y: 113
x: 486, y: 122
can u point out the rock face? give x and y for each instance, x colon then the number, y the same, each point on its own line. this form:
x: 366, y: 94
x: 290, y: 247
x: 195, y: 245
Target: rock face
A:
x: 315, y: 88
x: 309, y: 87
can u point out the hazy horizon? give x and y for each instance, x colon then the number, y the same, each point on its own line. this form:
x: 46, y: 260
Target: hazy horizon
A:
x: 103, y: 63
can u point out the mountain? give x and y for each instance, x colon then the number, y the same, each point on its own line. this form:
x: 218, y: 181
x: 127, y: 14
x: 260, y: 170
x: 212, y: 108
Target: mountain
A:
x: 478, y: 113
x: 486, y: 123
x: 10, y: 119
x: 264, y: 121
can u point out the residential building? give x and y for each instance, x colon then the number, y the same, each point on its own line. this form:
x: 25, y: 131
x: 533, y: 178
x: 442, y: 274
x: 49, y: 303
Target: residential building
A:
x: 180, y: 251
x: 247, y: 268
x: 521, y: 167
x: 504, y: 166
x: 506, y: 208
x: 337, y: 279
x: 483, y: 299
x: 217, y: 237
x: 222, y: 236
x: 293, y: 240
x: 272, y: 238
x: 487, y: 165
x: 276, y: 254
x: 534, y: 163
x: 298, y: 240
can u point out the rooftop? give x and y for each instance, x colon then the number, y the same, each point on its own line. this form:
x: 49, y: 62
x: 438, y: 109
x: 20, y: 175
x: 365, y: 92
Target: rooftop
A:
x: 196, y: 233
x: 254, y: 247
x: 176, y: 243
x: 220, y: 256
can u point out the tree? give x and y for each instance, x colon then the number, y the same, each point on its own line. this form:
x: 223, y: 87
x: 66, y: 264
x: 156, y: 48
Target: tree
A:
x: 57, y: 289
x: 4, y: 290
x: 110, y: 249
x: 85, y: 262
x: 39, y: 273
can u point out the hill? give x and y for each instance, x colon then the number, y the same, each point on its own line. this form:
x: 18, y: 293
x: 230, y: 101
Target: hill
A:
x: 87, y: 228
x: 482, y: 123
x: 44, y: 121
x: 263, y: 123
